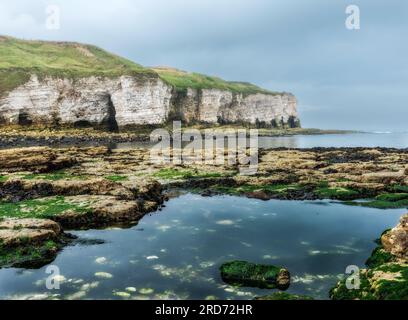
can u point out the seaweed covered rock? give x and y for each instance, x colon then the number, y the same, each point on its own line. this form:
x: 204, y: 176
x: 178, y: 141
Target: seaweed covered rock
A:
x: 246, y: 274
x: 29, y: 243
x: 87, y: 211
x: 81, y: 211
x: 387, y: 275
x: 36, y: 186
x: 396, y: 241
x: 35, y: 159
x: 284, y: 296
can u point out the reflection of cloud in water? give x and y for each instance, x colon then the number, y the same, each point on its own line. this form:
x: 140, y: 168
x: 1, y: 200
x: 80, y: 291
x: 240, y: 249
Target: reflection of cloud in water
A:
x: 163, y: 228
x: 101, y: 260
x: 33, y: 296
x: 311, y: 278
x: 246, y: 244
x: 225, y: 222
x: 269, y: 257
x: 348, y: 248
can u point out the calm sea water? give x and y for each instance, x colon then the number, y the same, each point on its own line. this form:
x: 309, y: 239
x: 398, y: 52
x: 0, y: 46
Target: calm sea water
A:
x: 176, y: 253
x: 390, y: 140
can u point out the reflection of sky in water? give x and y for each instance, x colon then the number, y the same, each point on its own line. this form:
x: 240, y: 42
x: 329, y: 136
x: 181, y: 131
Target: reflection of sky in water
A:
x: 390, y: 140
x: 176, y: 253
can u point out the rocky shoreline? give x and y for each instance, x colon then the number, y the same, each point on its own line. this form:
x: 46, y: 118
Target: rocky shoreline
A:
x: 45, y: 191
x: 16, y: 136
x: 386, y: 276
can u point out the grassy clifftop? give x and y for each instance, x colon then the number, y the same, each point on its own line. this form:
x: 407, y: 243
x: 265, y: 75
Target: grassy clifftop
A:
x: 183, y: 80
x: 21, y: 58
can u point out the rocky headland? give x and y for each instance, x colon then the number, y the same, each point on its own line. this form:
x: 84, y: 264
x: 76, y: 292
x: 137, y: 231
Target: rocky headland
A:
x: 72, y: 84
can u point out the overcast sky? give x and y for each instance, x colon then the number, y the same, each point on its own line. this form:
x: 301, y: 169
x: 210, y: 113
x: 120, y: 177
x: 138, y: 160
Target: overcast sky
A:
x: 345, y: 79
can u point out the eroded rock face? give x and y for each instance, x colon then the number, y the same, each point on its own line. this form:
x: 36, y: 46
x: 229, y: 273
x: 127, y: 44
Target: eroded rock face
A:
x: 396, y: 240
x: 213, y: 106
x: 128, y: 101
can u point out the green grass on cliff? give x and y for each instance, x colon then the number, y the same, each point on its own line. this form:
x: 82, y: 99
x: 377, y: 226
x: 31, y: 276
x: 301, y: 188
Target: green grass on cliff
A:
x: 21, y: 58
x: 183, y: 80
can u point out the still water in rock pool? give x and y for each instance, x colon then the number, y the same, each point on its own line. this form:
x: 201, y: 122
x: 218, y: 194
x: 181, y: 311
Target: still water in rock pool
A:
x: 176, y: 253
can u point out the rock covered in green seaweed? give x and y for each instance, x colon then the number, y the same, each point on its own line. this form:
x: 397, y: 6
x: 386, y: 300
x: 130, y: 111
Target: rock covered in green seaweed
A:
x: 29, y: 243
x: 284, y: 296
x: 246, y: 274
x: 387, y: 275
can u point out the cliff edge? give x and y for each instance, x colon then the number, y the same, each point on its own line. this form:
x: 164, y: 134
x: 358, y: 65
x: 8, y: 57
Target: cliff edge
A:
x: 64, y: 83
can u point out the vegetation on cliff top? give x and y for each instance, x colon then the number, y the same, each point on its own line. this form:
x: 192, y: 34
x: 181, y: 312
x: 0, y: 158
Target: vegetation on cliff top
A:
x: 21, y: 58
x: 183, y: 80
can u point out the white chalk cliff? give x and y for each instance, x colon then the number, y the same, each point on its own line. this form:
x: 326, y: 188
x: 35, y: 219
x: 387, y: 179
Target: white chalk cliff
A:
x: 63, y: 83
x: 130, y: 101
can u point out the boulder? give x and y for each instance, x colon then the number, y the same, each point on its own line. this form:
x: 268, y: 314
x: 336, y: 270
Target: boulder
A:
x: 396, y: 240
x: 29, y: 243
x: 246, y: 274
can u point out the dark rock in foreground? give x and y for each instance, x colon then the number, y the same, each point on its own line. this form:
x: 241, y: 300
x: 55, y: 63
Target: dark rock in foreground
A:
x: 246, y: 274
x: 284, y: 296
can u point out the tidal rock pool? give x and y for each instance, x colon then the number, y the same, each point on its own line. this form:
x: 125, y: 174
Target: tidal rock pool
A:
x: 176, y: 253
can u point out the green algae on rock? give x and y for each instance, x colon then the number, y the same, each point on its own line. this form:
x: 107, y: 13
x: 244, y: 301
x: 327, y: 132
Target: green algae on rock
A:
x: 29, y: 243
x: 387, y: 275
x: 246, y: 274
x: 284, y: 296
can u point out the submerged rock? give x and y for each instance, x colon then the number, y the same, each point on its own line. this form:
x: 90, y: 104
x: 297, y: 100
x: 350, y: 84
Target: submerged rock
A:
x: 29, y: 243
x: 246, y: 274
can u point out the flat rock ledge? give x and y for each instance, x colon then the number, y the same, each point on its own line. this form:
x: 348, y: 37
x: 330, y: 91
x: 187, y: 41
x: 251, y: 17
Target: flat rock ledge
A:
x: 29, y: 243
x: 36, y: 159
x: 86, y: 211
x: 386, y: 276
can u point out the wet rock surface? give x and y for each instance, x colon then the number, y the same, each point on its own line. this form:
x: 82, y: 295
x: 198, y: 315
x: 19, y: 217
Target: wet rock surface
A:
x: 284, y: 296
x: 386, y: 276
x: 35, y: 159
x: 29, y: 243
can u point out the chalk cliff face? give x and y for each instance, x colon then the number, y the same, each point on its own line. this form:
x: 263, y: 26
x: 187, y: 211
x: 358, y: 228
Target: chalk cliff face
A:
x: 219, y: 106
x: 127, y: 101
